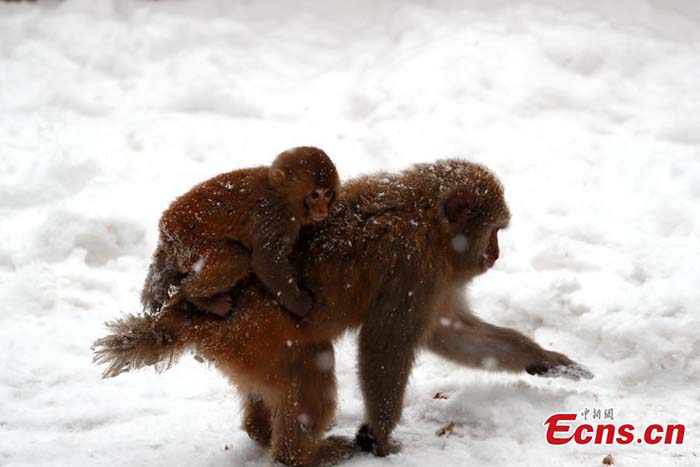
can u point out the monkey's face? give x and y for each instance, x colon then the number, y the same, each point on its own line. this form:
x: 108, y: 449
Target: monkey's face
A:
x: 317, y: 203
x: 309, y: 180
x: 474, y: 217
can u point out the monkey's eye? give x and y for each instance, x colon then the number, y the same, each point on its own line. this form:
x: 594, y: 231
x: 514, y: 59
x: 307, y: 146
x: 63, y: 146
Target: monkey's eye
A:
x: 329, y: 194
x: 314, y: 195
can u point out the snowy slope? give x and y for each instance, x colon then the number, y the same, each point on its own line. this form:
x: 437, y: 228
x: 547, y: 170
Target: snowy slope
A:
x: 589, y: 112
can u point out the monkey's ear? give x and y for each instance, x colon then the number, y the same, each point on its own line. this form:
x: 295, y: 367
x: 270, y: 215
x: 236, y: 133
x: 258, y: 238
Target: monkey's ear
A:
x: 459, y: 206
x: 277, y: 177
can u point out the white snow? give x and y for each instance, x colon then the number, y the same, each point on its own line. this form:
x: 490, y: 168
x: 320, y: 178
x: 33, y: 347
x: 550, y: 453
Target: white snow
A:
x: 459, y: 243
x: 588, y: 110
x: 199, y: 265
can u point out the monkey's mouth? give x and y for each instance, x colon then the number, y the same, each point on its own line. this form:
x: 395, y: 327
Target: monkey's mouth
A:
x: 318, y: 217
x: 489, y: 260
x: 492, y: 251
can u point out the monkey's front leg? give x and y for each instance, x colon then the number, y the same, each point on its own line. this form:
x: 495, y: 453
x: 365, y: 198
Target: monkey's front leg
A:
x: 271, y: 265
x: 463, y: 338
x: 386, y: 355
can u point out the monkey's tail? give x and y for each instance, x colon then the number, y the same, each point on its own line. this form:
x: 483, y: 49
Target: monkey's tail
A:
x: 162, y: 273
x: 135, y: 342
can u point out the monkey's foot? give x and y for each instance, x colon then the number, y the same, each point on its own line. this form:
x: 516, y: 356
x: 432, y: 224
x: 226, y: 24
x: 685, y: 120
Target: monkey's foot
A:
x: 259, y: 431
x: 219, y: 304
x: 366, y: 441
x: 335, y: 448
x: 329, y: 452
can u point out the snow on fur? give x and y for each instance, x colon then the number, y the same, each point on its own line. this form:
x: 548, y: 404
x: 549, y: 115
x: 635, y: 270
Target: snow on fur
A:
x: 587, y: 110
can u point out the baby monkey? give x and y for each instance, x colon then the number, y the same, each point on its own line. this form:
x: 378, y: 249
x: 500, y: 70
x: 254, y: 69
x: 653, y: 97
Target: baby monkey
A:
x: 241, y: 222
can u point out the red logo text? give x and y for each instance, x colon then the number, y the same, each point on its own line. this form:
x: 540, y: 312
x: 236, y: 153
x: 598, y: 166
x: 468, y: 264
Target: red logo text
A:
x: 561, y: 430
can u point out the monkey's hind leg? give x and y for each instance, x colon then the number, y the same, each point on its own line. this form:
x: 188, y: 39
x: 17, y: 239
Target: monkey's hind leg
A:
x: 305, y: 411
x: 215, y: 269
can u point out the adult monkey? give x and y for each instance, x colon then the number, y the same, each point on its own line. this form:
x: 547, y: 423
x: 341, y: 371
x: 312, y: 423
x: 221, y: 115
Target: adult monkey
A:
x: 392, y: 259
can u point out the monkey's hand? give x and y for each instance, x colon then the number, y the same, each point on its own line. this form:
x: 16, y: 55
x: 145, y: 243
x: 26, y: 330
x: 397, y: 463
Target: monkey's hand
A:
x: 555, y: 365
x: 299, y: 303
x: 367, y: 441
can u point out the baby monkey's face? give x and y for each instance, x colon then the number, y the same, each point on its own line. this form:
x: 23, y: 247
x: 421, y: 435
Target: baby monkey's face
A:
x: 318, y: 202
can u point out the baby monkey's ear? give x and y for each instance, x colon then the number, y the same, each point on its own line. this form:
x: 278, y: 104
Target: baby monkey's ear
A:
x: 277, y: 177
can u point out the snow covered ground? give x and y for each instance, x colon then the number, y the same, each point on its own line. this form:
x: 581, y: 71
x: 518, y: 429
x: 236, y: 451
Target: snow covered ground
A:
x: 589, y: 111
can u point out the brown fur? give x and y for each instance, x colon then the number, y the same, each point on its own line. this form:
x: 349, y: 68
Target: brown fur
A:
x: 246, y: 220
x: 386, y: 262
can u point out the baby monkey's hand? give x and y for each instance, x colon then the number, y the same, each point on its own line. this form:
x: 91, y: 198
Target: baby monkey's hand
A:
x: 299, y: 304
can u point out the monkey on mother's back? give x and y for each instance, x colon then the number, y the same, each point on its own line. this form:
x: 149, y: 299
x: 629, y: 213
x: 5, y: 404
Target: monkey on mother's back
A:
x: 237, y: 223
